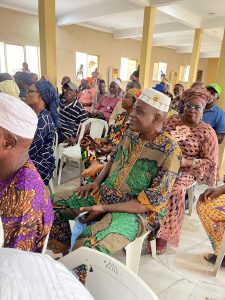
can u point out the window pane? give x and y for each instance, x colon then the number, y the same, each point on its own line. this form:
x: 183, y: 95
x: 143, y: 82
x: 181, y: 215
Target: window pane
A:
x: 186, y: 73
x: 155, y: 71
x: 124, y: 68
x: 2, y: 58
x: 92, y: 64
x: 161, y: 70
x: 32, y: 58
x: 131, y: 67
x: 81, y: 65
x: 15, y: 58
x: 181, y: 73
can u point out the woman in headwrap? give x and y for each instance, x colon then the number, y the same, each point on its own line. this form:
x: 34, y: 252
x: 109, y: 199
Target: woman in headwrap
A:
x: 199, y: 146
x: 42, y: 97
x: 95, y: 153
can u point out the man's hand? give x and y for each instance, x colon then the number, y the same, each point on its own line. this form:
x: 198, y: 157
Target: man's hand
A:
x: 94, y: 212
x: 84, y: 190
x: 210, y: 193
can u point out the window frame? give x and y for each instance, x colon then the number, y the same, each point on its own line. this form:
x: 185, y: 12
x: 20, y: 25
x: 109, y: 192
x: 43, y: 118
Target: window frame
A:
x: 24, y: 56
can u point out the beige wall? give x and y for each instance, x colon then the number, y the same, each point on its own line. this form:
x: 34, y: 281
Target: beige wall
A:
x: 22, y: 29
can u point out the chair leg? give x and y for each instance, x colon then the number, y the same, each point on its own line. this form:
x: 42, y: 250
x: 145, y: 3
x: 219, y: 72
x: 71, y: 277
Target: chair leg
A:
x: 133, y: 255
x: 56, y: 166
x: 51, y: 187
x: 60, y: 169
x: 190, y: 199
x: 153, y: 247
x: 220, y: 256
x: 81, y: 168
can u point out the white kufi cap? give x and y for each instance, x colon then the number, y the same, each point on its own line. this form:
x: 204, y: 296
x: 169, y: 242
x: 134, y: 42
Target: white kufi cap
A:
x: 156, y: 99
x: 17, y: 117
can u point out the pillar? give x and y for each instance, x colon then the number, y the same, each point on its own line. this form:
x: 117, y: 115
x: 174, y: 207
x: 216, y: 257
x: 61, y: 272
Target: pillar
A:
x: 146, y: 46
x: 47, y: 37
x: 220, y: 79
x: 195, y: 56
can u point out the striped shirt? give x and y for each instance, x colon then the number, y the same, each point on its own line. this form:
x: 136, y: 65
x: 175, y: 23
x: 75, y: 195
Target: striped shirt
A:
x: 70, y: 117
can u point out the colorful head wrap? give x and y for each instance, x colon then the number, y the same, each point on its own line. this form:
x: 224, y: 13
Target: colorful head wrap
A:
x: 17, y: 117
x: 89, y: 79
x: 197, y: 92
x: 49, y: 96
x: 9, y: 87
x: 160, y: 87
x: 136, y: 93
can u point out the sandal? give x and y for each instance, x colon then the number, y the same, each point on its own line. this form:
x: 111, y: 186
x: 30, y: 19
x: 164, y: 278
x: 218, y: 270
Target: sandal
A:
x: 210, y: 258
x: 160, y: 246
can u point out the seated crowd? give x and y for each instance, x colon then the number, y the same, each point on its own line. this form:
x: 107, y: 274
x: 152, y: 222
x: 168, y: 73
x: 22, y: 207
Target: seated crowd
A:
x: 135, y: 179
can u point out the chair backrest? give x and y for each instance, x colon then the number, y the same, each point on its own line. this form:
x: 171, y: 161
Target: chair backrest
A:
x: 107, y: 278
x: 1, y: 233
x: 97, y: 127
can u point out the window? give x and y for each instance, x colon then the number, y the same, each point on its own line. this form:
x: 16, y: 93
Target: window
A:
x: 85, y: 64
x: 127, y: 67
x: 12, y: 57
x: 159, y: 69
x: 184, y: 73
x: 2, y: 58
x: 32, y: 58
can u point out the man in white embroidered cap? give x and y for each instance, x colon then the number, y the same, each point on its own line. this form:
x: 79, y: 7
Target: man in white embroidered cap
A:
x: 25, y: 207
x: 130, y: 194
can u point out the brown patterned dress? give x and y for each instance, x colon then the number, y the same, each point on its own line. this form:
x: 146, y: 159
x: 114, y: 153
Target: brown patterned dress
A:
x: 199, y: 143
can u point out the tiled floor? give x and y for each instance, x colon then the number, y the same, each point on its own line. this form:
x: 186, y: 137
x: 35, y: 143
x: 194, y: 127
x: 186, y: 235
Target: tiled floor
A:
x: 179, y: 273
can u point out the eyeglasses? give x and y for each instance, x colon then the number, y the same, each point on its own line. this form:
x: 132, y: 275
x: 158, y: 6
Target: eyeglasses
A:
x: 198, y: 108
x: 32, y: 91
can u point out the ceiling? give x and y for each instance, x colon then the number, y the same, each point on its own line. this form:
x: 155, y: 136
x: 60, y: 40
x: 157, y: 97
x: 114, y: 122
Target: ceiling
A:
x: 175, y: 22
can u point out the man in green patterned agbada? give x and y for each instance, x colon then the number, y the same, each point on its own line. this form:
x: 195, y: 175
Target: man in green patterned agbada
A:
x: 130, y: 194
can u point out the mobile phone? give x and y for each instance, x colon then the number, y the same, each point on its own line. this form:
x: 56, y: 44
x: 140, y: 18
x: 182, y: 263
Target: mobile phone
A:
x: 83, y: 215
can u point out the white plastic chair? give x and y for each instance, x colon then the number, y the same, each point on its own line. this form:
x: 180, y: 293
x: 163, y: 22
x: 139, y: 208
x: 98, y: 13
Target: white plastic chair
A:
x: 45, y: 244
x: 220, y: 256
x: 133, y: 250
x: 107, y: 278
x: 51, y: 187
x: 55, y: 149
x: 191, y: 196
x: 74, y: 152
x: 1, y: 233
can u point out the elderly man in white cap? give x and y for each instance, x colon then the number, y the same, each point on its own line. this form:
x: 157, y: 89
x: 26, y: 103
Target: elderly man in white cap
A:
x: 130, y: 194
x: 25, y: 206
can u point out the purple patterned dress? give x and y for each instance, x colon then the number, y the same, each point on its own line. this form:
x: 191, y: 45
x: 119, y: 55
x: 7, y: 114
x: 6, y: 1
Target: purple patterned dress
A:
x: 25, y: 209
